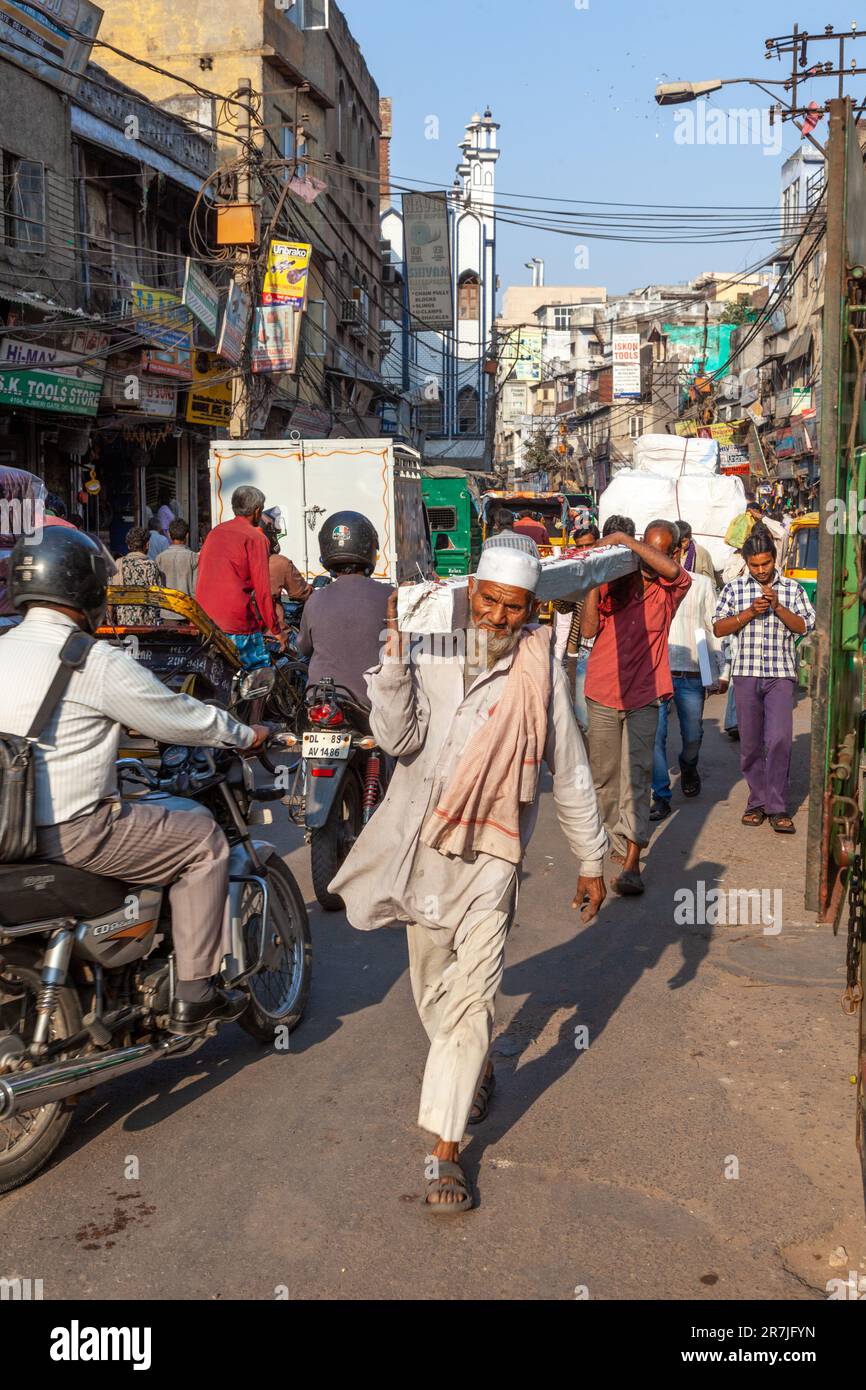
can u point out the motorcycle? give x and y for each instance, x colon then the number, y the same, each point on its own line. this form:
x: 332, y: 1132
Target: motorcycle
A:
x: 87, y: 968
x: 345, y: 778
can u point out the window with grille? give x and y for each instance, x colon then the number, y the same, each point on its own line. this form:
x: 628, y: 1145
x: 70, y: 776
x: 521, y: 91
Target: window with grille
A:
x: 442, y: 518
x: 814, y: 185
x: 23, y: 186
x: 468, y: 297
x: 562, y: 316
x: 467, y: 411
x: 431, y: 417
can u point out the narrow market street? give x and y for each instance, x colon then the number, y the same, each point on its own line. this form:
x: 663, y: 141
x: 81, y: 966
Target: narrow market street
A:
x: 600, y: 1171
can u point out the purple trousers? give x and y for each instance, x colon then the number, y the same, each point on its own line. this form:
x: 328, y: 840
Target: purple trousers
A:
x: 765, y: 713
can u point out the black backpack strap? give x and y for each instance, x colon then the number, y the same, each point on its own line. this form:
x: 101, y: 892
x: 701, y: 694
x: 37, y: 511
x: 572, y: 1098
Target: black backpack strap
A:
x: 73, y: 654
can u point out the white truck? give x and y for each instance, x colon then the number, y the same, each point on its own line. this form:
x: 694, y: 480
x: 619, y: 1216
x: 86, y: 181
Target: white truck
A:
x: 309, y: 479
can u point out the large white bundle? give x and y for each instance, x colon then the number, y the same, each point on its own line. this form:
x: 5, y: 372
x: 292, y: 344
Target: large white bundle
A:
x: 440, y: 606
x: 709, y: 503
x: 670, y: 456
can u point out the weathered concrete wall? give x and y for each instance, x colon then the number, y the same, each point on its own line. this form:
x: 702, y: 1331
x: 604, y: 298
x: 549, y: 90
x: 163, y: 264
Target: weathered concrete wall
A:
x: 34, y: 124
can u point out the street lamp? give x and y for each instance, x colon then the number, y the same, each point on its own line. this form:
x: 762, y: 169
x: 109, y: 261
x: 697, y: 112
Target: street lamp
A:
x: 676, y: 93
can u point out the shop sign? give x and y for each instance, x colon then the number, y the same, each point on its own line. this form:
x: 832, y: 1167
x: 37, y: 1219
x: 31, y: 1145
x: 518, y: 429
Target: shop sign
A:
x: 163, y: 318
x: 42, y: 377
x: 201, y: 296
x: 236, y: 317
x: 428, y: 263
x: 209, y: 400
x: 275, y: 338
x: 626, y: 366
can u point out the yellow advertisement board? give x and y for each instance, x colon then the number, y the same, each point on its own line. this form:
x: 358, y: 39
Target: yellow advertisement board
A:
x: 287, y: 274
x: 209, y: 400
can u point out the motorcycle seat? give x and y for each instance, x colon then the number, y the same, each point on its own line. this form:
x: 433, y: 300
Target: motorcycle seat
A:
x: 39, y: 890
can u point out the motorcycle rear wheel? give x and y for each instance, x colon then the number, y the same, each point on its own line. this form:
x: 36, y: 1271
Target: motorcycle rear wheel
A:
x: 28, y: 1141
x: 278, y: 992
x: 330, y: 845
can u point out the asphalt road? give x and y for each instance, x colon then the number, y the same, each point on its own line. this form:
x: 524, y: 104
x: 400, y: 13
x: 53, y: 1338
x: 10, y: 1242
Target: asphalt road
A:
x: 701, y: 1144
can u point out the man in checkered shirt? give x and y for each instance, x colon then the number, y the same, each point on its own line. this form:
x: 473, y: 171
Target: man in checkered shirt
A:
x: 767, y: 613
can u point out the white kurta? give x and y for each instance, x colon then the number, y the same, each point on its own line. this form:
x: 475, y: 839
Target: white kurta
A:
x: 422, y: 718
x: 458, y: 910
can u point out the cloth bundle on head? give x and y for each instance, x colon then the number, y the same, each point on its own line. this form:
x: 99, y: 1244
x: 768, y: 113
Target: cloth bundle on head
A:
x: 510, y: 559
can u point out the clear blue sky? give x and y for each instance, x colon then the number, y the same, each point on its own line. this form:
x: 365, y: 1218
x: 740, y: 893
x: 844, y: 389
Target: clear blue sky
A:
x: 573, y: 90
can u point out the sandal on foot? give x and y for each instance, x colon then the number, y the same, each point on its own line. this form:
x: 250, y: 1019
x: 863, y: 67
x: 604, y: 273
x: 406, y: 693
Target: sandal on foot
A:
x: 756, y: 816
x: 783, y: 825
x: 629, y: 884
x: 482, y: 1100
x: 451, y: 1177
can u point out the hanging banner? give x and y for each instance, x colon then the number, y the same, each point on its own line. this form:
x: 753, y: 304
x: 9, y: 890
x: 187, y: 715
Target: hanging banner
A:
x: 201, y: 296
x: 275, y: 338
x: 287, y: 274
x: 46, y: 378
x: 520, y: 354
x: 428, y: 259
x: 626, y: 366
x: 209, y: 400
x: 236, y: 317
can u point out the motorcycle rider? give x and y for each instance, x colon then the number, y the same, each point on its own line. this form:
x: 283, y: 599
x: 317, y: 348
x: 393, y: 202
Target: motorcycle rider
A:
x: 60, y: 585
x: 342, y: 627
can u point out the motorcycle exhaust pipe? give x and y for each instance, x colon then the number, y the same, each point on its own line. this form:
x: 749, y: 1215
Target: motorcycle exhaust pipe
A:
x: 28, y: 1090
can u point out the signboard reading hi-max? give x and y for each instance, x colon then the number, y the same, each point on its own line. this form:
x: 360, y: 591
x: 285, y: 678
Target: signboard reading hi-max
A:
x: 39, y: 377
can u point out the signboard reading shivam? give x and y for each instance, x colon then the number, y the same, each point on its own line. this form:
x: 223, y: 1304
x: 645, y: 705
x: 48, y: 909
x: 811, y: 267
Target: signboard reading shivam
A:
x: 201, y: 297
x: 626, y: 366
x: 428, y: 259
x: 288, y: 273
x: 44, y: 378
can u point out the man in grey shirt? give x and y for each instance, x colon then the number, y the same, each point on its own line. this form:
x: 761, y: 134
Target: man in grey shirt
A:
x: 178, y: 565
x: 343, y: 625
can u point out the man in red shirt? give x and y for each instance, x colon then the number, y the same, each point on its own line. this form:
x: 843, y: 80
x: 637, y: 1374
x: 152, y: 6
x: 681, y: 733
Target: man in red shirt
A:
x: 627, y: 677
x: 234, y: 586
x: 528, y: 526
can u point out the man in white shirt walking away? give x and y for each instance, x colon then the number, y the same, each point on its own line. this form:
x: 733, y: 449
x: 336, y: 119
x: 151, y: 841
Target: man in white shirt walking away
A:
x: 696, y: 612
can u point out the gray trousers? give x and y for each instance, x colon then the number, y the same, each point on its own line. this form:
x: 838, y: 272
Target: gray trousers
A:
x: 454, y: 982
x: 621, y: 744
x: 146, y: 844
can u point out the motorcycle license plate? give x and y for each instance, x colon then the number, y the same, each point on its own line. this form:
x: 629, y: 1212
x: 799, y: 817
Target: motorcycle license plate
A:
x: 326, y: 745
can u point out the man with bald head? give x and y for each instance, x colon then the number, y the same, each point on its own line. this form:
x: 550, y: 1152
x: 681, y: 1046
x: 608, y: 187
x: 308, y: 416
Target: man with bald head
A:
x: 627, y: 677
x: 469, y: 725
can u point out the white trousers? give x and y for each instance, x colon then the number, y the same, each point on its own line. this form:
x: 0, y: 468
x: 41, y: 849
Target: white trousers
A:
x: 454, y: 982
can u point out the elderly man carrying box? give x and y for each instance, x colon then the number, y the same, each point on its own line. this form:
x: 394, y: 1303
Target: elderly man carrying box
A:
x: 469, y: 729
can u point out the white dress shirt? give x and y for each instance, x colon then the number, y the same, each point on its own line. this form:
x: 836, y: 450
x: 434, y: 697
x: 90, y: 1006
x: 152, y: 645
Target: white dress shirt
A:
x: 77, y: 752
x: 696, y: 610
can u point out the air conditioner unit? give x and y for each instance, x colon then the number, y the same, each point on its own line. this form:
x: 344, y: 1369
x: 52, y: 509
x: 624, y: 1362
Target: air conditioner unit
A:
x: 354, y: 314
x: 389, y: 275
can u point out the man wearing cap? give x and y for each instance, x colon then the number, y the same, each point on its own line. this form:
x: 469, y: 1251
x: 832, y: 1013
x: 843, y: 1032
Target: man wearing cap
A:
x: 469, y: 724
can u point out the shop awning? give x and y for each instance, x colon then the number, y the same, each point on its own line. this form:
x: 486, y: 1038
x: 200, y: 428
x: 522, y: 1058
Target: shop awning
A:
x: 32, y: 300
x: 799, y: 347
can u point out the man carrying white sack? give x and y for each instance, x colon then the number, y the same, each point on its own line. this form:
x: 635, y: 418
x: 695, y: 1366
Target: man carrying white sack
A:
x: 469, y: 729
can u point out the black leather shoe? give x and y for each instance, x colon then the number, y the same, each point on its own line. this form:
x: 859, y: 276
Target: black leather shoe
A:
x: 660, y: 809
x: 223, y: 1006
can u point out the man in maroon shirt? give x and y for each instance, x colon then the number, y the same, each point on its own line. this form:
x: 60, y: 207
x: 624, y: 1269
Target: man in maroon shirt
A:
x: 528, y: 526
x: 627, y: 676
x: 234, y: 586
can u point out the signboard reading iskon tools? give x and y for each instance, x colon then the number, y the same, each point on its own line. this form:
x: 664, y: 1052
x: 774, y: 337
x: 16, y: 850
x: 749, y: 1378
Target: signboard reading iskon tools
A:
x: 428, y: 259
x: 626, y: 366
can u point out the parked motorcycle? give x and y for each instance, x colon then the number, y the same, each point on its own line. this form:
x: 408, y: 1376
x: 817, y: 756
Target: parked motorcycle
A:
x: 87, y: 964
x: 345, y: 778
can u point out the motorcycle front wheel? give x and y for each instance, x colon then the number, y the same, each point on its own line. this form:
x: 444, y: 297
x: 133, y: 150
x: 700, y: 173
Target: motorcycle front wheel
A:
x: 279, y: 990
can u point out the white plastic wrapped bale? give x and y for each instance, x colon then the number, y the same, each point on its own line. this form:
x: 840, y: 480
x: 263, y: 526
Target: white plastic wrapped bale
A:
x: 670, y: 456
x: 708, y: 502
x: 442, y: 606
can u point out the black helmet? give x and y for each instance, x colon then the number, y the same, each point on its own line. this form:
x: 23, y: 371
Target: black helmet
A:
x: 348, y: 538
x: 64, y: 567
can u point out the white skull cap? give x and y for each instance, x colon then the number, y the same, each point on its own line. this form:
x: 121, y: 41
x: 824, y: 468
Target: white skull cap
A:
x: 510, y: 559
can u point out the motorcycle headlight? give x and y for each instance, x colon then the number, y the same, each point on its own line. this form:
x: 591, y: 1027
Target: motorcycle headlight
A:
x: 255, y: 683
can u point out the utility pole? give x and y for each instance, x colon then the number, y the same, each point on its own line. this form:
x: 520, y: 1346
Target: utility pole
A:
x: 239, y: 423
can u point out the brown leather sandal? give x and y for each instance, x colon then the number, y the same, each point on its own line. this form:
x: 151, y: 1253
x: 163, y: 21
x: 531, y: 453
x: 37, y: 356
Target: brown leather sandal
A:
x: 756, y: 816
